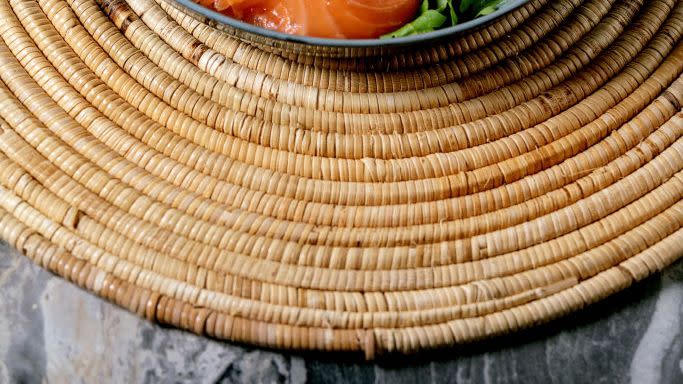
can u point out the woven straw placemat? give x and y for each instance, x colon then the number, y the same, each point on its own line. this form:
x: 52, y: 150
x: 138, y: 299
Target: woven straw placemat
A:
x: 397, y: 203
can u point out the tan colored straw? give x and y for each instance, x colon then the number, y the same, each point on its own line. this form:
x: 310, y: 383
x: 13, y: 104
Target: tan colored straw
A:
x: 393, y: 203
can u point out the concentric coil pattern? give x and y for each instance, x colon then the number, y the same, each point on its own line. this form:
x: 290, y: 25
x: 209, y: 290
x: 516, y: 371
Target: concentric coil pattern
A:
x: 384, y: 204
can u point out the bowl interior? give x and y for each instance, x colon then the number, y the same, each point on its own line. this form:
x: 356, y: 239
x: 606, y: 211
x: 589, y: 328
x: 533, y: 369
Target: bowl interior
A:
x: 315, y: 45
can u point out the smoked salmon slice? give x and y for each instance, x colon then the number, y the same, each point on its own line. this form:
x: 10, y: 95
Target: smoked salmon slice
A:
x: 343, y: 19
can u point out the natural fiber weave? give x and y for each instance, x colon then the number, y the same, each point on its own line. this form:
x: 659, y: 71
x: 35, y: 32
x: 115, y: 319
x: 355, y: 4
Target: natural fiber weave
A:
x: 396, y: 203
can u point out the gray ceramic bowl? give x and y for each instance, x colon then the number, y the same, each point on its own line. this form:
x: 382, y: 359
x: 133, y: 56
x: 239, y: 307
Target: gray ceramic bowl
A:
x: 294, y: 44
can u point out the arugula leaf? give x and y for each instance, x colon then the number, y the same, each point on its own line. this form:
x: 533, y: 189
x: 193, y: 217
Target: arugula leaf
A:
x: 426, y: 22
x: 486, y: 11
x: 488, y: 7
x: 424, y: 7
x: 453, y: 14
x: 437, y: 14
x: 441, y: 5
x: 464, y: 5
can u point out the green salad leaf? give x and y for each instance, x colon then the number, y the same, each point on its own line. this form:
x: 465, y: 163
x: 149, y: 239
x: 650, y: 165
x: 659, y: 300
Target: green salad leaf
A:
x: 437, y: 14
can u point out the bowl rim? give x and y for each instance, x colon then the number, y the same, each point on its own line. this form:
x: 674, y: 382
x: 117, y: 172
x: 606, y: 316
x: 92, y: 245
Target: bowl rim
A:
x: 348, y: 43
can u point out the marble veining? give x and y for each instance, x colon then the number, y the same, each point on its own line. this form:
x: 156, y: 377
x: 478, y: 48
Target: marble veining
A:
x: 661, y: 335
x: 54, y: 332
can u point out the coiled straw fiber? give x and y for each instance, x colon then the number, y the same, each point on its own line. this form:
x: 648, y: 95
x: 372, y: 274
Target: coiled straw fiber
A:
x: 380, y: 204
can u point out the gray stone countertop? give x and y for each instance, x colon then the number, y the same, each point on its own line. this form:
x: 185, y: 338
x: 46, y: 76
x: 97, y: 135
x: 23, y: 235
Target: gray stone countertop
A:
x: 53, y: 332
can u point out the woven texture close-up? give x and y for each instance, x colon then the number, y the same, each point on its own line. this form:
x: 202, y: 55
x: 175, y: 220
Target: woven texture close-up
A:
x: 384, y: 203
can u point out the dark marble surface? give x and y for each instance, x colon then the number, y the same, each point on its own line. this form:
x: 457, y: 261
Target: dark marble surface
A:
x: 53, y: 332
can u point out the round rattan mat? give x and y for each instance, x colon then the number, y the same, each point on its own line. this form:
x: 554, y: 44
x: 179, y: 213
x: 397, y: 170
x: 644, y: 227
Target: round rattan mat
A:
x: 397, y: 203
